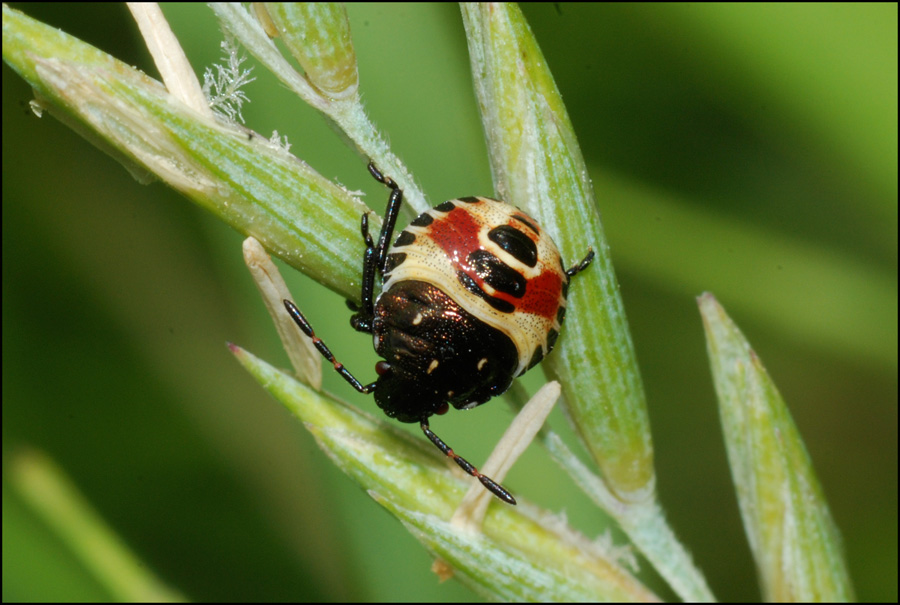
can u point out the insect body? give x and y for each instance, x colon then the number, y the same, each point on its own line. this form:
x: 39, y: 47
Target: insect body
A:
x: 474, y: 295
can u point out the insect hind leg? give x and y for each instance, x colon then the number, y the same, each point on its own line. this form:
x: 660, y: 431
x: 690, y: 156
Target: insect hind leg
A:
x: 578, y: 268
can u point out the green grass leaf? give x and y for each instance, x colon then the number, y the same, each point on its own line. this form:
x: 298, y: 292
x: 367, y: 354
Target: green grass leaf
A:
x: 794, y: 540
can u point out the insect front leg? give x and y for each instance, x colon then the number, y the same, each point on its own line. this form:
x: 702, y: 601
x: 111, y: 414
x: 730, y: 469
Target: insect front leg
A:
x: 491, y: 485
x: 306, y: 328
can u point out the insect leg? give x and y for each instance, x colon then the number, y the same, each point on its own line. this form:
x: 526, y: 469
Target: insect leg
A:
x: 301, y: 321
x: 491, y: 485
x: 390, y: 216
x: 576, y: 269
x: 362, y: 319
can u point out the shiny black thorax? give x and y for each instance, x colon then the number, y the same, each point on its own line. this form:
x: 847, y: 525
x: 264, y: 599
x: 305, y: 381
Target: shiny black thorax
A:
x: 438, y: 353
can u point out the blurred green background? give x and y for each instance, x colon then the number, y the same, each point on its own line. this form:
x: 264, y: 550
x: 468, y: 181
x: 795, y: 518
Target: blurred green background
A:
x: 748, y: 150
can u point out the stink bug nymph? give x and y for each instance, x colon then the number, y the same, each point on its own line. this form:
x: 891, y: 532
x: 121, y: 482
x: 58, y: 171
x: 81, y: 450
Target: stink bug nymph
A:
x: 473, y: 295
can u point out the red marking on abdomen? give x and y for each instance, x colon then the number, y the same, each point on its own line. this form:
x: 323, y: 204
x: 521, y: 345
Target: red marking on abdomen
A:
x: 456, y: 233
